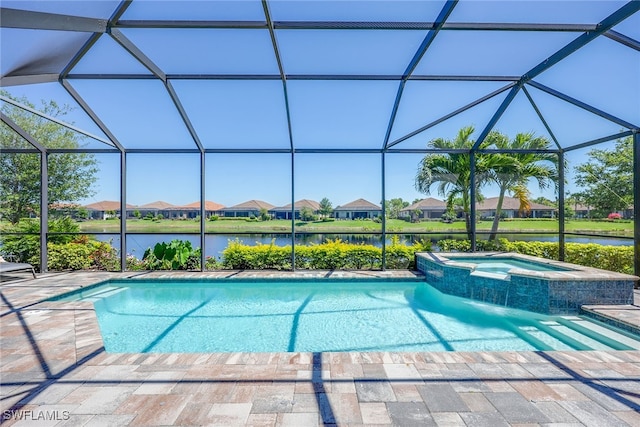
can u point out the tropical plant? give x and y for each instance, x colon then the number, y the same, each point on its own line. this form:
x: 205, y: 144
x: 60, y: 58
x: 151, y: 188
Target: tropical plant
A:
x: 176, y: 255
x: 513, y: 176
x: 451, y: 170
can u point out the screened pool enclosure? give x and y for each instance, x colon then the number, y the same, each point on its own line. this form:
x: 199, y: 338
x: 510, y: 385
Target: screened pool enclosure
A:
x: 165, y: 120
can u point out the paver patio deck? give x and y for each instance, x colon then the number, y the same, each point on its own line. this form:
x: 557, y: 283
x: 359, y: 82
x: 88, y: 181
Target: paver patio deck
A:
x: 54, y: 371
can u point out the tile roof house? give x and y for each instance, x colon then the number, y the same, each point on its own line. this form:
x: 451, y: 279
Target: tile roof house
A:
x: 104, y: 209
x: 511, y: 209
x: 192, y: 210
x: 158, y: 208
x: 429, y: 208
x: 357, y: 209
x: 247, y: 209
x: 284, y: 212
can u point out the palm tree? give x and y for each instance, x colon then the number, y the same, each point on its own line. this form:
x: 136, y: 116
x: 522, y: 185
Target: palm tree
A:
x: 513, y: 178
x: 451, y: 171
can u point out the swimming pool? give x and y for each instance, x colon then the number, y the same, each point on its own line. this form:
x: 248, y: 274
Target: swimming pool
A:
x: 139, y: 316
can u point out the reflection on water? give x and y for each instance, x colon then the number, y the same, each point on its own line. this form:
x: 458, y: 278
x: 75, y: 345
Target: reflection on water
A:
x: 215, y: 244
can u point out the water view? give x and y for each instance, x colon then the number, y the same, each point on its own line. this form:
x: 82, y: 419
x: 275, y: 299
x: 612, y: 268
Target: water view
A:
x: 216, y: 243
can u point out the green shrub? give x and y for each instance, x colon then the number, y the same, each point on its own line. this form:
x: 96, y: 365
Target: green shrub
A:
x: 238, y: 256
x: 83, y: 254
x: 25, y: 245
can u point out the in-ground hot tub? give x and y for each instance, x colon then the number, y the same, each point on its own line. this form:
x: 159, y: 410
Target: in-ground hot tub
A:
x: 524, y: 282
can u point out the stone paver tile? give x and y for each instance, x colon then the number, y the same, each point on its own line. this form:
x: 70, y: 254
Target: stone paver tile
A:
x: 406, y: 392
x: 567, y: 392
x: 591, y: 414
x: 213, y: 391
x: 535, y: 390
x: 375, y: 391
x: 103, y: 400
x: 342, y: 387
x: 77, y: 421
x: 194, y: 413
x: 160, y: 383
x: 229, y: 414
x: 110, y: 420
x: 273, y: 398
x: 54, y: 393
x: 345, y: 408
x: 488, y: 370
x: 346, y: 370
x: 630, y: 417
x: 242, y: 393
x: 484, y: 419
x: 477, y: 402
x: 306, y: 387
x: 403, y: 371
x: 261, y: 420
x: 556, y: 413
x: 604, y: 396
x: 305, y: 403
x: 448, y: 419
x: 159, y: 409
x: 442, y: 398
x: 410, y: 414
x: 499, y: 386
x: 470, y: 386
x: 306, y: 419
x: 515, y: 408
x: 374, y: 413
x: 546, y: 371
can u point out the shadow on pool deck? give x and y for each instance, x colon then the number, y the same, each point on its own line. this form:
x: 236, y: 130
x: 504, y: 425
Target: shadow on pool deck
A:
x: 53, y: 364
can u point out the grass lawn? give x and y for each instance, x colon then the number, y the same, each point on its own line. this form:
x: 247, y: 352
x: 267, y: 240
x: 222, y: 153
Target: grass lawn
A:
x: 234, y: 225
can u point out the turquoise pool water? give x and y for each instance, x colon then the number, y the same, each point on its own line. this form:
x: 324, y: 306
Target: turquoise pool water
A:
x: 276, y: 316
x: 504, y: 264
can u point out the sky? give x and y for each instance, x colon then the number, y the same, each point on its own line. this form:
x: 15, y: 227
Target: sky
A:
x: 333, y: 114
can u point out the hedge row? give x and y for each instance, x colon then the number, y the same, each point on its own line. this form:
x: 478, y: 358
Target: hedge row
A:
x: 331, y: 255
x: 613, y: 258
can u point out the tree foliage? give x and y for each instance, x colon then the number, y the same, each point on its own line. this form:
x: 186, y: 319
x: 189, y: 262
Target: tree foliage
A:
x: 326, y: 209
x: 71, y: 176
x: 607, y: 178
x: 394, y: 206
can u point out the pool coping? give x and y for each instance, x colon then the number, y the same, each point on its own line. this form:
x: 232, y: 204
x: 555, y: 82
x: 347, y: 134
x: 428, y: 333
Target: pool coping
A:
x: 53, y: 363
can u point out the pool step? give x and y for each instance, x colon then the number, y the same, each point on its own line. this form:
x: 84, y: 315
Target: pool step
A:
x: 544, y: 339
x: 94, y: 295
x: 569, y: 337
x: 619, y: 340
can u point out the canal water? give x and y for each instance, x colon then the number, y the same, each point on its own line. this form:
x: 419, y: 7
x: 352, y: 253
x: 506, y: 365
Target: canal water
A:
x: 215, y: 244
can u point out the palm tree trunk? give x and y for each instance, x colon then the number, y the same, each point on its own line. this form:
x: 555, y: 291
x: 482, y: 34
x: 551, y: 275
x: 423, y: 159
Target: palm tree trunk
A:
x: 496, y: 218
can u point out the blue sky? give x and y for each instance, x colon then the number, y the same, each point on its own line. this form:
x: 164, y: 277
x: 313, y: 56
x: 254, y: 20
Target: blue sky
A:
x: 325, y: 113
